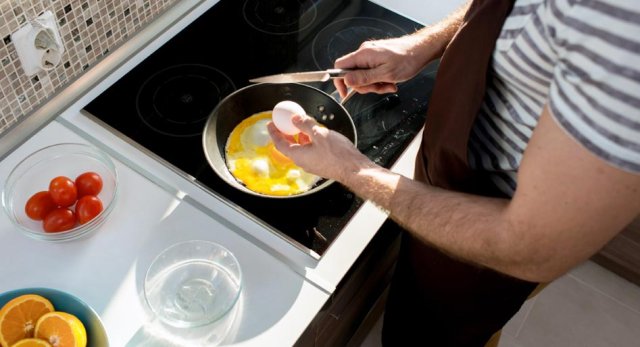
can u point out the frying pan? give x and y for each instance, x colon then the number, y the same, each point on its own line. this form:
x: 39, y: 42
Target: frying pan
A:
x: 262, y: 97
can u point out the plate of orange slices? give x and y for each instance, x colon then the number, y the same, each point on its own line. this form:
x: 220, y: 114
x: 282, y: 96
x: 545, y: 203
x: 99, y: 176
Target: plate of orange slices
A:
x: 45, y: 317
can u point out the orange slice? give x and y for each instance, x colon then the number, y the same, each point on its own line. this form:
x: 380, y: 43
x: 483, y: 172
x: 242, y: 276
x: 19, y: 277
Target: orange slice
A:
x: 32, y: 343
x: 61, y: 329
x: 19, y: 316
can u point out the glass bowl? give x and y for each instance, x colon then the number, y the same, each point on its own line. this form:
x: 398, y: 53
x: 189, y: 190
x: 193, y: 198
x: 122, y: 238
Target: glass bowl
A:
x: 193, y: 284
x: 34, y: 173
x: 65, y: 302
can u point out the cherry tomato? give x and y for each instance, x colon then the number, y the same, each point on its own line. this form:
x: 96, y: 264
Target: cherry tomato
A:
x: 63, y: 191
x: 39, y: 205
x: 88, y: 183
x: 87, y: 208
x: 59, y: 219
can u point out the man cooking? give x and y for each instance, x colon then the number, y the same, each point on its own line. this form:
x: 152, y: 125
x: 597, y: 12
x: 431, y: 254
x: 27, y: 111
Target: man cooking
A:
x: 529, y: 164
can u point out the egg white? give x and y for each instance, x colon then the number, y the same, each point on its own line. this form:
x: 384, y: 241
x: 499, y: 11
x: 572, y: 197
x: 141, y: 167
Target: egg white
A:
x: 255, y: 162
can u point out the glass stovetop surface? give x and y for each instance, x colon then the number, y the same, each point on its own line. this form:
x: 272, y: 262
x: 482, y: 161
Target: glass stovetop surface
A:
x: 164, y: 102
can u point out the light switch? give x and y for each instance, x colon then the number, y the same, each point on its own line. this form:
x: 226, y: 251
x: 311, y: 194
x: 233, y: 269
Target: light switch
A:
x: 38, y: 44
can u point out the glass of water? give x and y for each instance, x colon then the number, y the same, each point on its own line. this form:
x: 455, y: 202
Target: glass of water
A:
x: 193, y: 283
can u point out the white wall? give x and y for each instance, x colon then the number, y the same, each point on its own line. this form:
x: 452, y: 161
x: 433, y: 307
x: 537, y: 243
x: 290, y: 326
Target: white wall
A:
x: 423, y: 11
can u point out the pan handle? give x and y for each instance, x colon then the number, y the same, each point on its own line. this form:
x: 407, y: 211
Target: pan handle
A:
x: 346, y: 98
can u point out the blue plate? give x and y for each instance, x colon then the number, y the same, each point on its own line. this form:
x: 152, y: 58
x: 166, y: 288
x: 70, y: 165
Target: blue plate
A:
x: 61, y: 301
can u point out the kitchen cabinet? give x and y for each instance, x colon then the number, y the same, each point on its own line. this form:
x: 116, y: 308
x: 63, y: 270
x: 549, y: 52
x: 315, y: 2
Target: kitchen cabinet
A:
x: 359, y: 299
x: 622, y: 254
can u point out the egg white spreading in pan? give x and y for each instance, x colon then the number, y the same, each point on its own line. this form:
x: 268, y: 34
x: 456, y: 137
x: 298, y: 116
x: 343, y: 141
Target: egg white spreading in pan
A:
x: 255, y: 162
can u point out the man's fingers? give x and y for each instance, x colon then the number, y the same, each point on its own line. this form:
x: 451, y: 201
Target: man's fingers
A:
x: 340, y: 87
x: 378, y: 88
x: 304, y: 123
x: 280, y: 140
x: 362, y: 73
x: 347, y: 61
x: 358, y: 78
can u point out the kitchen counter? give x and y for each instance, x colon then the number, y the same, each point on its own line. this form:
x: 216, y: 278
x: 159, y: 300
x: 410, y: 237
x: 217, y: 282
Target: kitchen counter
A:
x: 284, y: 287
x: 106, y: 269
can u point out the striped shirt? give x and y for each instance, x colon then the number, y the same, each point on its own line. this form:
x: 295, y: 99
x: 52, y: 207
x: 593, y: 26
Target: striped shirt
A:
x: 580, y: 57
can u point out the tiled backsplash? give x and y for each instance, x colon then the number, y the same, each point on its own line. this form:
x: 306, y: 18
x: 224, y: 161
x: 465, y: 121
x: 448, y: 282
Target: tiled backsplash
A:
x: 89, y: 30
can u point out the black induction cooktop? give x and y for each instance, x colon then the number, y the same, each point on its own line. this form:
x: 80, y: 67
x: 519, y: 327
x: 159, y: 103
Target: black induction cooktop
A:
x: 164, y: 102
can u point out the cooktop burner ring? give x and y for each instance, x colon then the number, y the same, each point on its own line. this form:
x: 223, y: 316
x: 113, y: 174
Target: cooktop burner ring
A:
x: 345, y: 36
x: 177, y: 101
x: 279, y: 17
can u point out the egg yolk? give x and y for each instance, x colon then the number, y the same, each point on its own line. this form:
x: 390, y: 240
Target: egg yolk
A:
x: 255, y: 162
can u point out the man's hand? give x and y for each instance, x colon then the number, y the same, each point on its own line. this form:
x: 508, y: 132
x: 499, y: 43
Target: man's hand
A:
x: 378, y: 65
x: 328, y: 154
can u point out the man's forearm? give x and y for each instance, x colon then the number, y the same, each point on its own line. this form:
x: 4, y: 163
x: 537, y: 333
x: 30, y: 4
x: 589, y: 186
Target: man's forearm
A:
x: 466, y: 226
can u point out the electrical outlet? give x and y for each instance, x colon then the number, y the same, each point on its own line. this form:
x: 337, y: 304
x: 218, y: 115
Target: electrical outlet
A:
x: 38, y: 44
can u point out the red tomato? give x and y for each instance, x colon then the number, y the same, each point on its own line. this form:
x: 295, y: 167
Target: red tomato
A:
x: 39, y: 205
x: 88, y: 183
x: 63, y: 191
x: 60, y: 219
x: 87, y: 208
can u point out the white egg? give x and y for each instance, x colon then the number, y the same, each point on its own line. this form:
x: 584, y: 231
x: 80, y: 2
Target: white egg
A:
x: 282, y: 113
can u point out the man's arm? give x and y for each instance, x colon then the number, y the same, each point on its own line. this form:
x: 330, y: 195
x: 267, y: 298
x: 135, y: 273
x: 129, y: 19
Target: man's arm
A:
x: 568, y: 204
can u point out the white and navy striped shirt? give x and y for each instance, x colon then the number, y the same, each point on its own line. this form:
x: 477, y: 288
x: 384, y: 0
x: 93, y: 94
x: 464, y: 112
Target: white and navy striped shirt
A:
x: 582, y: 58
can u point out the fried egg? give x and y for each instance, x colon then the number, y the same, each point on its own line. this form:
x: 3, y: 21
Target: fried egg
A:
x: 255, y: 162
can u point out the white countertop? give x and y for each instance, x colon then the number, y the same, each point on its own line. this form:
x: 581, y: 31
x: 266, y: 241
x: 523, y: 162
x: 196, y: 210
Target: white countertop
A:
x: 284, y: 286
x: 106, y: 268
